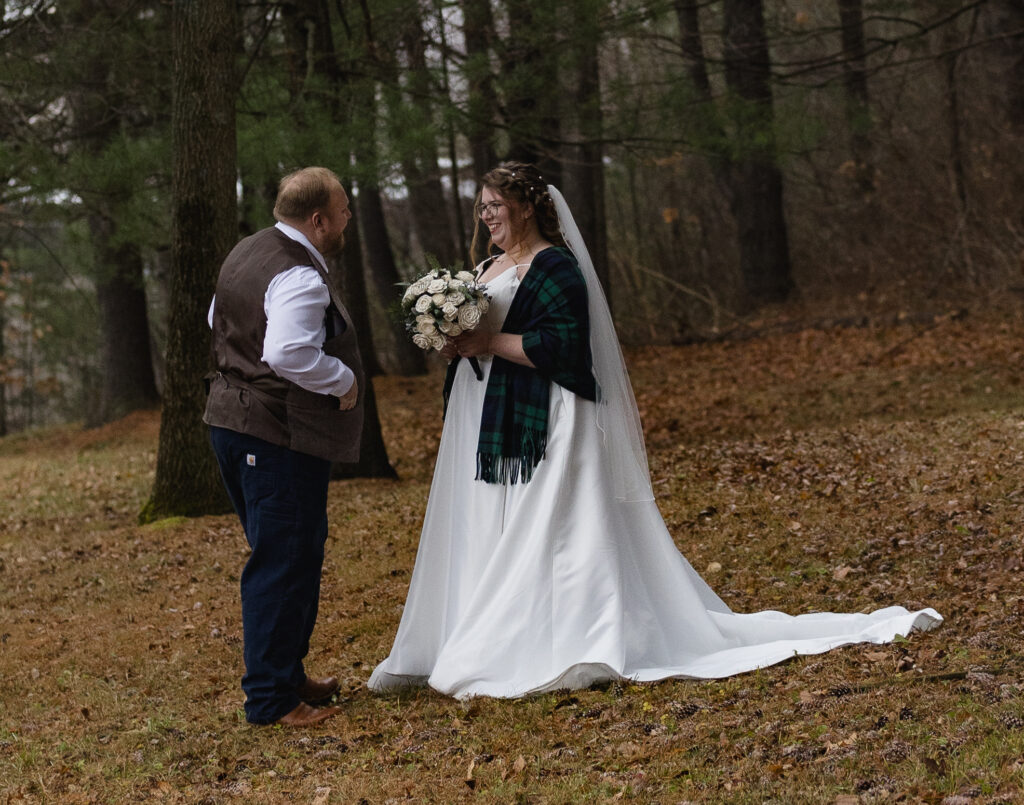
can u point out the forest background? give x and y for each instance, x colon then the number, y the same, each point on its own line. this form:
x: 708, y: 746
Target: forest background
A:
x: 728, y: 162
x: 749, y: 175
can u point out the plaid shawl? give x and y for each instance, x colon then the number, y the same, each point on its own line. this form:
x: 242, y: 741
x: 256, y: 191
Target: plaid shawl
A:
x: 550, y: 311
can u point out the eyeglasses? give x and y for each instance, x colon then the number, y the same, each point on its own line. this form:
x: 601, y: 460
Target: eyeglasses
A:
x: 491, y: 208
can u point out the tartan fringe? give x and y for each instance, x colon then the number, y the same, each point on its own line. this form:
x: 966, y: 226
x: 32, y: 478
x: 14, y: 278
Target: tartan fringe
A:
x: 496, y: 469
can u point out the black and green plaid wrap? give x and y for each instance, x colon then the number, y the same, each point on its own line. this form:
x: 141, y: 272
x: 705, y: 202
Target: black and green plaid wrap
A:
x: 550, y: 311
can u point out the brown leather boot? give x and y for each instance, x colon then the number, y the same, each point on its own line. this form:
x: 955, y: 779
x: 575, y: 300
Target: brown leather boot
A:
x: 306, y: 716
x: 315, y: 691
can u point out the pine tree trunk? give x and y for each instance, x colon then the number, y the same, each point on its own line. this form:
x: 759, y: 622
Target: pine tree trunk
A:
x: 1003, y: 22
x: 353, y: 291
x: 855, y: 85
x: 373, y: 454
x: 757, y: 202
x: 583, y: 172
x: 428, y: 204
x: 530, y: 73
x: 128, y: 382
x: 320, y: 57
x: 408, y: 359
x: 4, y: 275
x: 482, y: 102
x: 709, y: 134
x: 100, y: 113
x: 204, y: 227
x: 691, y: 41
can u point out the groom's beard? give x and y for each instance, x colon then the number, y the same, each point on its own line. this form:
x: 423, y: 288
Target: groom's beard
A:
x: 333, y: 247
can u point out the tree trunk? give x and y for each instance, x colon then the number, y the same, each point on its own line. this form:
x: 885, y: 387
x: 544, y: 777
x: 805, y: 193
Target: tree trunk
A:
x: 353, y: 291
x: 692, y: 44
x: 584, y: 161
x: 709, y: 134
x: 128, y: 382
x: 757, y: 202
x: 373, y: 454
x: 532, y: 88
x: 1003, y: 22
x: 5, y: 276
x: 203, y: 228
x: 956, y: 147
x: 408, y: 359
x: 855, y: 85
x: 482, y: 102
x: 316, y: 54
x: 482, y: 99
x: 451, y: 143
x: 429, y: 207
x: 369, y: 210
x: 99, y: 114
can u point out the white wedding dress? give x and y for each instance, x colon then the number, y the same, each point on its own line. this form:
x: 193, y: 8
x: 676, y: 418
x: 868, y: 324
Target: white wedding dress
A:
x: 556, y: 583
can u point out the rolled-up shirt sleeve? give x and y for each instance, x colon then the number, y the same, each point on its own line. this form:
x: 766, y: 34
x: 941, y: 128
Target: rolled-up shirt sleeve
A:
x: 295, y: 303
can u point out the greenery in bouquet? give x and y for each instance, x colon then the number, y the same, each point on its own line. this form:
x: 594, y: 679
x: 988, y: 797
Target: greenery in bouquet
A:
x: 442, y: 304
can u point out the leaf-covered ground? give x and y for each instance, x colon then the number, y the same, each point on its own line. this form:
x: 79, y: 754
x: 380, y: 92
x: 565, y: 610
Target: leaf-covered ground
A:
x: 841, y: 470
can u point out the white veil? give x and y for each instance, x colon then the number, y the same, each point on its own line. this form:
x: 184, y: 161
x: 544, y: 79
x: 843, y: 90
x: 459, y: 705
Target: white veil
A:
x: 617, y: 416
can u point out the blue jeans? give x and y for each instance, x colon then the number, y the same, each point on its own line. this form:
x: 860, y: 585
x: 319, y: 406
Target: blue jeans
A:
x: 281, y: 498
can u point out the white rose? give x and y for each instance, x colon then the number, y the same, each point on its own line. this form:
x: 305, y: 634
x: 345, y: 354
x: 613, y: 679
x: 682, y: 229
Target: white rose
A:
x: 450, y: 310
x: 465, y: 276
x: 419, y: 286
x: 439, y: 299
x: 446, y: 327
x: 423, y: 304
x: 426, y: 325
x: 455, y: 330
x: 439, y: 285
x: 484, y: 304
x: 437, y: 341
x: 469, y: 316
x: 456, y: 284
x: 456, y: 298
x: 420, y: 340
x: 408, y: 296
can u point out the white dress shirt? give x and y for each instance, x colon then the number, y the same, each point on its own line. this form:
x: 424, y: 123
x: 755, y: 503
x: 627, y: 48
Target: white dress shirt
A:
x: 293, y: 346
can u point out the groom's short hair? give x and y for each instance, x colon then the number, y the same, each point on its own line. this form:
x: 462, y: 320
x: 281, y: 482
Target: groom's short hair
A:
x: 303, y: 192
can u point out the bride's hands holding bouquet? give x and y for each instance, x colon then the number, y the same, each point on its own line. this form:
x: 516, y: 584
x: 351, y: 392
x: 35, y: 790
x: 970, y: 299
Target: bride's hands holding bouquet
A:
x: 449, y: 350
x: 472, y: 343
x: 440, y: 306
x: 504, y: 345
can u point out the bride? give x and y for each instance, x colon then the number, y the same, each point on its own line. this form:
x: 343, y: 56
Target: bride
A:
x: 544, y: 562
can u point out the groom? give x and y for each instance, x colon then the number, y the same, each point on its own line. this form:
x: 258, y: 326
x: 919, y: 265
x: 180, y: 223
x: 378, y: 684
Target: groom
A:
x: 284, y: 402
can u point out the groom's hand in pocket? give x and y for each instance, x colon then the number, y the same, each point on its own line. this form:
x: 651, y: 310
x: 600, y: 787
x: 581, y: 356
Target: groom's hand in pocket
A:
x: 347, y: 401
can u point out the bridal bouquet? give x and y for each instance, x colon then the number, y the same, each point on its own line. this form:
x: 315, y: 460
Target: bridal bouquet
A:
x: 442, y: 304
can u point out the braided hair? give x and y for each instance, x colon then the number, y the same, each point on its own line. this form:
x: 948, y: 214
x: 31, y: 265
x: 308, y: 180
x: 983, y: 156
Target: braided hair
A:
x: 521, y: 183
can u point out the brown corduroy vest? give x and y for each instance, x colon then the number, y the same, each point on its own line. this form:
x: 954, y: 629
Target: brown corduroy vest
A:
x: 245, y: 394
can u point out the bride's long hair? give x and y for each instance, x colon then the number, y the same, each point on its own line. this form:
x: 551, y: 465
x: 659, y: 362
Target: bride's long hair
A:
x: 522, y: 184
